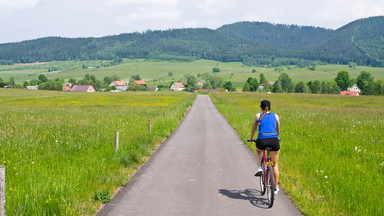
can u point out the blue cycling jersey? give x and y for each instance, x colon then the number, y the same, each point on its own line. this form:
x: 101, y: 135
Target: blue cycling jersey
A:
x: 267, y: 127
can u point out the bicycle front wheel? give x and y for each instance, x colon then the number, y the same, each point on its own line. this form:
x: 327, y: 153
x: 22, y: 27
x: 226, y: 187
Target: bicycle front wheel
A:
x: 270, y: 186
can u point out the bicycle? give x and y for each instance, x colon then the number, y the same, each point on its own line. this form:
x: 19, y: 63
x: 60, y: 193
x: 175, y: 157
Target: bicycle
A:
x: 267, y: 182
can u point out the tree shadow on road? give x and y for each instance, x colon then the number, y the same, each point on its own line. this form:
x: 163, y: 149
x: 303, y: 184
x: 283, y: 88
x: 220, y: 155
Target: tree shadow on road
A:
x: 252, y: 195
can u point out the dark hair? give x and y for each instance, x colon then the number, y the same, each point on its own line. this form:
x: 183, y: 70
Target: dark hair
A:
x: 264, y: 104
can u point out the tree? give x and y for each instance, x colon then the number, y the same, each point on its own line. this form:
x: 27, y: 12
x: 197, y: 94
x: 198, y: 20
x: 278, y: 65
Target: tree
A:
x: 72, y: 81
x: 171, y: 74
x: 115, y: 78
x: 191, y: 81
x: 253, y: 70
x: 253, y: 84
x: 12, y: 82
x: 26, y: 83
x: 262, y: 78
x: 246, y: 87
x: 108, y: 80
x: 286, y: 83
x: 301, y: 87
x: 378, y: 87
x: 136, y: 77
x: 43, y: 78
x: 314, y: 86
x: 216, y: 81
x: 363, y: 80
x: 228, y: 85
x: 352, y: 65
x: 207, y: 85
x: 215, y: 70
x: 266, y: 86
x: 342, y: 80
x: 135, y: 87
x: 277, y: 88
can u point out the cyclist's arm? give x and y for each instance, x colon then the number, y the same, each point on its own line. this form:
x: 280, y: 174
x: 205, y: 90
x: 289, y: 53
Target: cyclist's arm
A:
x: 278, y: 125
x: 254, y: 127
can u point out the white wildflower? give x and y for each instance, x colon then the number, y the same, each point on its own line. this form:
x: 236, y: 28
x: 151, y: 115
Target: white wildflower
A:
x: 325, y: 176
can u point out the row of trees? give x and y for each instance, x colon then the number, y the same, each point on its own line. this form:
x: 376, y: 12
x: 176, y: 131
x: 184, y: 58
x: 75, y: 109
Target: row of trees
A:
x: 284, y: 83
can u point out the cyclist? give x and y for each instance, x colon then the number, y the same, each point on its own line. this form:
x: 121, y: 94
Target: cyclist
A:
x: 269, y: 131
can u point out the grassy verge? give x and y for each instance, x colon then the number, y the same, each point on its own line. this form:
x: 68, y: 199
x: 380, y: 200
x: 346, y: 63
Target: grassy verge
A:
x: 332, y: 150
x: 58, y: 148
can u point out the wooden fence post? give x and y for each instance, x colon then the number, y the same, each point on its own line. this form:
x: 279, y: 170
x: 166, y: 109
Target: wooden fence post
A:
x: 149, y: 126
x: 165, y: 114
x: 171, y: 109
x: 2, y: 190
x: 116, y: 141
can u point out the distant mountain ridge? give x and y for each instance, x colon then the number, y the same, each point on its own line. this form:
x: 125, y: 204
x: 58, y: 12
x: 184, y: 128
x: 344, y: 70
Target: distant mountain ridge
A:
x: 254, y: 43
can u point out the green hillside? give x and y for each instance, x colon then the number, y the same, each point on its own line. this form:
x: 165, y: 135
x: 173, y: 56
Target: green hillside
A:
x: 253, y: 43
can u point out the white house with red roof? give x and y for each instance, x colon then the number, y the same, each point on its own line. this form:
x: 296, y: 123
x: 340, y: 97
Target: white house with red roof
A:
x: 120, y: 85
x: 177, y: 86
x: 354, y: 88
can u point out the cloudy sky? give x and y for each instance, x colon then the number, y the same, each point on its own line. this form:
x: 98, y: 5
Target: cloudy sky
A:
x: 31, y: 19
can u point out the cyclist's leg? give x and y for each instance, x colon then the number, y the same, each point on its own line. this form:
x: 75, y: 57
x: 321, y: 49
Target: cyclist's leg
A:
x: 259, y: 155
x: 275, y: 161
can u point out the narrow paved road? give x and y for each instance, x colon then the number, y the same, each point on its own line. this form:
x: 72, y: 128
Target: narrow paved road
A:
x: 203, y: 169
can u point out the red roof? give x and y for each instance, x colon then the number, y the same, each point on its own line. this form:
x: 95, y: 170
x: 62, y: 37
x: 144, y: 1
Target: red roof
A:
x: 66, y: 88
x: 140, y: 82
x: 119, y: 83
x: 352, y: 93
x: 180, y: 85
x: 82, y: 88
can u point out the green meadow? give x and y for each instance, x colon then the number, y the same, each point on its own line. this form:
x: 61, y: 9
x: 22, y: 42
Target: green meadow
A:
x: 58, y: 148
x: 332, y: 150
x: 156, y: 72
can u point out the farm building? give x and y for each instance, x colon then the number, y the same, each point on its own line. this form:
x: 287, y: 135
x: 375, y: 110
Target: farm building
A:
x: 152, y: 89
x: 351, y: 93
x: 32, y: 87
x: 141, y: 82
x: 177, y: 86
x: 120, y: 85
x: 83, y: 88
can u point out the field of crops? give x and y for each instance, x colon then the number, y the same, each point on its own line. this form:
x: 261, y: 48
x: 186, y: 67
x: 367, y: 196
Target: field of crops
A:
x: 332, y: 150
x: 58, y: 148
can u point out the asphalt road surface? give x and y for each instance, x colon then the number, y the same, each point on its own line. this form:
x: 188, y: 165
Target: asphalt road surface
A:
x: 202, y: 169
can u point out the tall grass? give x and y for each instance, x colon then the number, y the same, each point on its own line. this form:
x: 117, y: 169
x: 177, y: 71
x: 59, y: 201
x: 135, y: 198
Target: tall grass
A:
x: 332, y: 149
x: 58, y: 148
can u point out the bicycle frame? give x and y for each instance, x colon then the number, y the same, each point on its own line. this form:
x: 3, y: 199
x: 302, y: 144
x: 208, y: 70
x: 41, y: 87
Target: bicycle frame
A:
x: 267, y: 161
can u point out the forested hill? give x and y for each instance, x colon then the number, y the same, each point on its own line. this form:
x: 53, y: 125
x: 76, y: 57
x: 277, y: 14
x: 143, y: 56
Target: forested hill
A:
x: 256, y: 43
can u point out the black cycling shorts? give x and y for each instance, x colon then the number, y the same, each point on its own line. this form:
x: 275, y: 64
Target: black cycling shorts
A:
x: 268, y: 142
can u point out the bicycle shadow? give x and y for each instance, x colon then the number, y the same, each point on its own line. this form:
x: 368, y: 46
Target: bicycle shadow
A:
x: 252, y: 195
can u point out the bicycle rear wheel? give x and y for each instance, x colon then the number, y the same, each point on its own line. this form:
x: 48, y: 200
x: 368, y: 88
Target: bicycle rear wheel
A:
x: 262, y: 178
x: 270, y: 187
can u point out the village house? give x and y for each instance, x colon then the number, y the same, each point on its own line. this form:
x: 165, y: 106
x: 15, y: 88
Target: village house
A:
x: 140, y: 82
x: 350, y: 93
x: 36, y: 87
x: 66, y: 88
x: 200, y: 84
x: 120, y: 85
x: 177, y: 86
x: 83, y: 88
x: 354, y: 88
x: 153, y: 89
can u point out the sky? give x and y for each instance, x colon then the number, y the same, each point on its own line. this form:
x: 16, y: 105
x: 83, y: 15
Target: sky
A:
x: 31, y: 19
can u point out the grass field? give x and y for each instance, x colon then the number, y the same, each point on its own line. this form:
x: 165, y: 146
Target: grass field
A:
x: 58, y: 148
x: 332, y: 149
x: 156, y: 72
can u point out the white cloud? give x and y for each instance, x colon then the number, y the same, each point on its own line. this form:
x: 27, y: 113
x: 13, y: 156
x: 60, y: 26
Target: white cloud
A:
x: 148, y: 14
x: 16, y: 4
x: 214, y: 7
x: 149, y: 3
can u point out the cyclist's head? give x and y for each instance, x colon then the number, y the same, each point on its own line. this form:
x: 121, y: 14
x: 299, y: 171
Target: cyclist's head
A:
x: 265, y: 105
